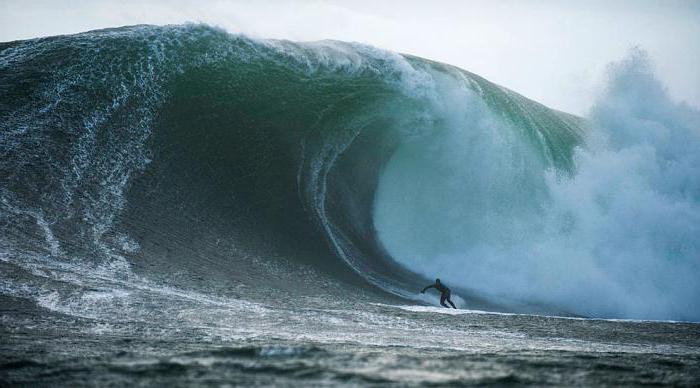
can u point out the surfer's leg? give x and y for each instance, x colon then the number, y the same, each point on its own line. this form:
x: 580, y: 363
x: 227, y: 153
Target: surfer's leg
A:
x: 447, y: 295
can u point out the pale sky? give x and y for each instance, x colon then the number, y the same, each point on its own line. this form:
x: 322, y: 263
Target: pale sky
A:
x: 555, y: 52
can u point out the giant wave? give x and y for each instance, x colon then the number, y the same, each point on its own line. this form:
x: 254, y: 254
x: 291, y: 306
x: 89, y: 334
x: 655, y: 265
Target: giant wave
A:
x: 185, y: 148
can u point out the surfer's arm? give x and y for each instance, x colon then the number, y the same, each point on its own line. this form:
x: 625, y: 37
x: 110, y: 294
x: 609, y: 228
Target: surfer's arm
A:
x: 426, y: 288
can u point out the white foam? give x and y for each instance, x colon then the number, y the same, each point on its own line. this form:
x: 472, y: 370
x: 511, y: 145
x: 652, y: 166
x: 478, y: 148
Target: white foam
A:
x: 450, y: 311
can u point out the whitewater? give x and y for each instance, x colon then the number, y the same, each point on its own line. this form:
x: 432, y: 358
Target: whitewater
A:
x: 180, y: 205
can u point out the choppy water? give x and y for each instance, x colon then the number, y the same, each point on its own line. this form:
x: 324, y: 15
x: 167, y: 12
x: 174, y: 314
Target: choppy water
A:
x: 344, y: 343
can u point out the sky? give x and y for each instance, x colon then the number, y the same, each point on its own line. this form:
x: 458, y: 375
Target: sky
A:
x: 555, y: 52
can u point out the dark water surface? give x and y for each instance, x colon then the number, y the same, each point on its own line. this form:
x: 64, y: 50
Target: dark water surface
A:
x: 346, y: 344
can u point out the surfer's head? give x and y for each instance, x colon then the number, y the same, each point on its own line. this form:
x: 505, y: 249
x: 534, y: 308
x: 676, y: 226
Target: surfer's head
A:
x: 437, y: 280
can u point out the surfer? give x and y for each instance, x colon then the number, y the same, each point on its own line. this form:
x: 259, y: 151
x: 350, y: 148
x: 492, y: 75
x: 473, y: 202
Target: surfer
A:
x: 444, y: 293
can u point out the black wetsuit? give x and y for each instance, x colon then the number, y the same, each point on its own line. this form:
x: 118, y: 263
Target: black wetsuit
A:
x: 444, y: 294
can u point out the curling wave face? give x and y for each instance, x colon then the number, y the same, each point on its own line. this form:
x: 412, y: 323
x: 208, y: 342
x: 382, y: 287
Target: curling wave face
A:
x: 184, y: 149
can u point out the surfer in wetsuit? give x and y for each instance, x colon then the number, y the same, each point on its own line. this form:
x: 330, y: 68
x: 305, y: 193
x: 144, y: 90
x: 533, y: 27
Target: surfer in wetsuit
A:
x: 444, y: 293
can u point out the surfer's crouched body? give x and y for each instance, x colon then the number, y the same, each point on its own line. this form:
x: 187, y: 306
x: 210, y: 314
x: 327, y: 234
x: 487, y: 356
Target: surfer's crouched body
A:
x: 444, y: 293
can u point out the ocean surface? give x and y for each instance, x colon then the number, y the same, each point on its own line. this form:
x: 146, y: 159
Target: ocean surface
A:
x: 183, y: 206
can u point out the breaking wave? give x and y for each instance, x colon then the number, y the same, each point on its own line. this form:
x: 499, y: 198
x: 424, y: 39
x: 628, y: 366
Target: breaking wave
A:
x: 162, y: 150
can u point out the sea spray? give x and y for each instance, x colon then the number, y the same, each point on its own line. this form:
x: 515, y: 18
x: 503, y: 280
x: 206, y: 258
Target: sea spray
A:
x: 615, y: 237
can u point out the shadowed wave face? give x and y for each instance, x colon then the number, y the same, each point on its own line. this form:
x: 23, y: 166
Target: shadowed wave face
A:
x: 185, y: 148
